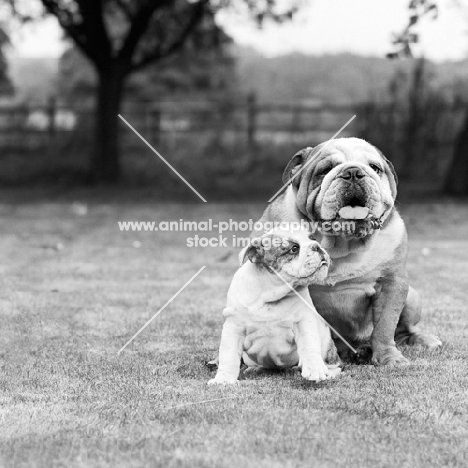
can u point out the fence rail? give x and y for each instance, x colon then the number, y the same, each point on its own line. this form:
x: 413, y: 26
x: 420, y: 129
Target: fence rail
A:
x: 252, y: 122
x: 419, y: 143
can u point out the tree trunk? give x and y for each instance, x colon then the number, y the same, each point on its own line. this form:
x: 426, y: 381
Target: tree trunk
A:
x: 106, y: 161
x: 457, y: 177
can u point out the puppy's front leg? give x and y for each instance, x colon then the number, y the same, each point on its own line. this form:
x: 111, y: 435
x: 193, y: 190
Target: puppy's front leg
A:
x: 230, y: 352
x: 310, y: 351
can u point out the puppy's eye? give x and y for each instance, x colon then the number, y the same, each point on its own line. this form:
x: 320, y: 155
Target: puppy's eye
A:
x: 294, y: 248
x: 375, y: 168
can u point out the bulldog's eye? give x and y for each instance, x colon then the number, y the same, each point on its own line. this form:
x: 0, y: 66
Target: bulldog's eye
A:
x: 375, y: 168
x: 324, y: 171
x: 294, y: 248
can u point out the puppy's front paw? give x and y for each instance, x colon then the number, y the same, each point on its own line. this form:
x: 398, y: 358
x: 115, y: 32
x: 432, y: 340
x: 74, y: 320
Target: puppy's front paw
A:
x: 222, y: 380
x: 389, y: 357
x: 315, y: 371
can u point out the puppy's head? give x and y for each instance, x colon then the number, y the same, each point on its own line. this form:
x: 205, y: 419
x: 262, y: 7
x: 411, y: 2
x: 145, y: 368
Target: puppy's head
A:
x: 295, y: 255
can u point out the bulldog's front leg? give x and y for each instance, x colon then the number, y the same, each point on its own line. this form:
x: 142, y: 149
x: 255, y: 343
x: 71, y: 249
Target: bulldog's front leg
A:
x: 309, y: 350
x: 230, y: 352
x: 387, y: 307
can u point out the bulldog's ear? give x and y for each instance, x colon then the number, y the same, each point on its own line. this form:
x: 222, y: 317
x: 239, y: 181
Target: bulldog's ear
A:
x: 295, y: 164
x: 392, y: 172
x: 392, y: 169
x: 252, y: 252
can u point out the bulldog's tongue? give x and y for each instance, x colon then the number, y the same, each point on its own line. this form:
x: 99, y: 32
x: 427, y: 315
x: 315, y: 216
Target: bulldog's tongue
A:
x: 353, y: 212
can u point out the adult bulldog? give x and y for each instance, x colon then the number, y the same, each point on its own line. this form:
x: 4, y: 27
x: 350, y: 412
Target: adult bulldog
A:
x: 366, y: 295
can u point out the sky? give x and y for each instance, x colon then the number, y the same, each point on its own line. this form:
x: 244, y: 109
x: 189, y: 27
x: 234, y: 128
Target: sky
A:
x: 322, y: 26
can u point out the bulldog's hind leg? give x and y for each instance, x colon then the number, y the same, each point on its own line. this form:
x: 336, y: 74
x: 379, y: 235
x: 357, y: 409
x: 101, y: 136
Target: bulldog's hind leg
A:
x: 407, y: 332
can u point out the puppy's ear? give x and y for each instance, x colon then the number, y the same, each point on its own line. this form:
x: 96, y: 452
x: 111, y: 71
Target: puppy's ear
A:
x: 252, y: 252
x: 295, y: 165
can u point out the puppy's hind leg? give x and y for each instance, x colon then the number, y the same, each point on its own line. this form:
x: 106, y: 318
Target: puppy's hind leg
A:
x: 252, y: 366
x: 332, y: 359
x: 253, y: 370
x: 213, y: 364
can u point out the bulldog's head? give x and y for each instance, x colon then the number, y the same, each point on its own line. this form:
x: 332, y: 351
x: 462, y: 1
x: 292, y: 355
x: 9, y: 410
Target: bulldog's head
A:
x: 294, y: 254
x: 343, y: 179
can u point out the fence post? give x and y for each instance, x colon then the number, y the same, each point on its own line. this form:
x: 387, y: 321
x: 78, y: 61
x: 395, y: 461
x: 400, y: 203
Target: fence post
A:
x: 296, y: 118
x: 51, y: 112
x: 366, y: 115
x: 156, y: 125
x: 251, y: 119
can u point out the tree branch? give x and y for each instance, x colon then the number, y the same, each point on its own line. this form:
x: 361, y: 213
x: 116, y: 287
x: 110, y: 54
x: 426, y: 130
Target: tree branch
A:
x: 93, y: 25
x: 404, y: 40
x: 178, y: 43
x: 125, y: 8
x: 76, y: 31
x: 139, y: 25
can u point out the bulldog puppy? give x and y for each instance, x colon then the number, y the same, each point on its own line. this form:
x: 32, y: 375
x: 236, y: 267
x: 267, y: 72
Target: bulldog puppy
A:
x: 267, y: 324
x: 346, y: 189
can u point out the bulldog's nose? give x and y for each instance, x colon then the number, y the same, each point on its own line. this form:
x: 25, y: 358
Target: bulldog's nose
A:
x: 352, y: 173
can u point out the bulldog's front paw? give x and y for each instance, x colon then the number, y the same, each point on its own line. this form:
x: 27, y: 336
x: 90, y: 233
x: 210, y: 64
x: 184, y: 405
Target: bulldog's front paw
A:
x: 389, y: 357
x: 223, y: 380
x: 315, y: 371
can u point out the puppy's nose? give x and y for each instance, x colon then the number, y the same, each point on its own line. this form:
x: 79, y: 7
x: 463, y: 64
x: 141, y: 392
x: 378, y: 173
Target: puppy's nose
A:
x: 315, y: 247
x: 321, y: 252
x: 352, y: 173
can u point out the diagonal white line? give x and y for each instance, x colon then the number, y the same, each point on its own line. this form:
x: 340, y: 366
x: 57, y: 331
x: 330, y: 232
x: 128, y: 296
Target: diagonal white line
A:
x: 201, y: 402
x: 162, y: 308
x: 305, y: 165
x: 154, y: 151
x: 312, y: 308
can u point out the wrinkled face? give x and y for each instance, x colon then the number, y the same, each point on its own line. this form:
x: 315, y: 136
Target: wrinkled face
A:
x: 295, y: 255
x: 346, y: 179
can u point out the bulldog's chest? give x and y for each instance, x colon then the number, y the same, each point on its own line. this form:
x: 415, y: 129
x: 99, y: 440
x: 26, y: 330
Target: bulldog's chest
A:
x: 367, y: 266
x: 363, y: 269
x: 348, y: 305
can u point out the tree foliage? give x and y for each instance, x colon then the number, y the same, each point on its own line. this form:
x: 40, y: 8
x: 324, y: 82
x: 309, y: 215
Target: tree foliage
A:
x: 457, y: 177
x: 5, y: 83
x: 405, y: 40
x: 120, y: 37
x: 203, y: 64
x: 139, y: 32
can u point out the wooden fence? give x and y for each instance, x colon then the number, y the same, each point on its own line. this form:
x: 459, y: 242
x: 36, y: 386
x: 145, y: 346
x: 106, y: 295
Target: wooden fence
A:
x: 32, y: 126
x: 419, y: 144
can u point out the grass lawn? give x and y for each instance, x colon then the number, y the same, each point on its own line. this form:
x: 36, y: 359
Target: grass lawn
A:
x: 75, y: 289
